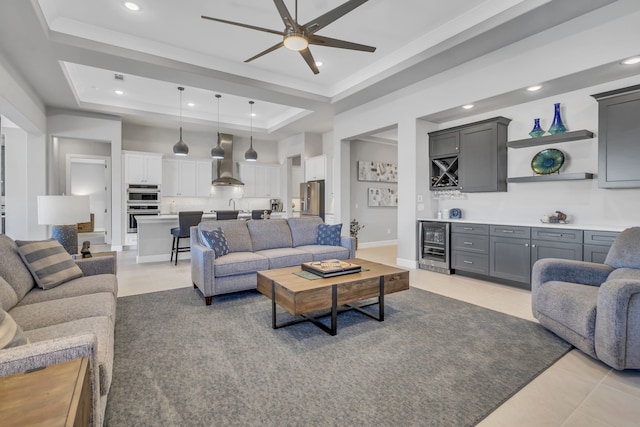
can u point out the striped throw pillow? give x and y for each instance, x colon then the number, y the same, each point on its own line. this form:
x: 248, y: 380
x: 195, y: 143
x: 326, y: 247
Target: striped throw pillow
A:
x: 11, y: 334
x: 49, y: 263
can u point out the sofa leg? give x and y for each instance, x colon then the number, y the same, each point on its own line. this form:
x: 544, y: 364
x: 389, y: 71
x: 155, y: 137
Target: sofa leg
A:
x: 208, y: 300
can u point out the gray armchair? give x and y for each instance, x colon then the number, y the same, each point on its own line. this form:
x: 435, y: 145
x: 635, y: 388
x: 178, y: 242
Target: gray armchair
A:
x: 595, y: 307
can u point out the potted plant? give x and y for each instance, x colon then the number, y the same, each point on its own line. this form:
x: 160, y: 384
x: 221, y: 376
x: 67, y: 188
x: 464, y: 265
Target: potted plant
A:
x: 354, y: 228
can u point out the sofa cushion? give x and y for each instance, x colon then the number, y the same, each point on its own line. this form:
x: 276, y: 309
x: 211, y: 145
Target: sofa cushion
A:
x: 269, y: 234
x: 50, y: 264
x: 625, y: 274
x: 100, y: 326
x: 47, y: 313
x: 8, y: 297
x: 11, y: 334
x: 239, y: 263
x: 285, y: 257
x: 572, y: 305
x: 85, y: 285
x: 322, y: 252
x: 304, y: 230
x: 329, y: 234
x: 13, y: 269
x: 235, y: 231
x: 216, y: 240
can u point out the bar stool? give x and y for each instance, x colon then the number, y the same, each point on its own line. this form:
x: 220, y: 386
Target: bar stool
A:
x: 186, y: 220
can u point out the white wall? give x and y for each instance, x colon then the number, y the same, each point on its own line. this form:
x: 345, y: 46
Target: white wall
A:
x: 380, y: 223
x: 581, y: 44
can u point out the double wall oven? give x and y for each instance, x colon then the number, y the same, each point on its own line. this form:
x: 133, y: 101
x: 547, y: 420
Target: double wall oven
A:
x: 141, y: 200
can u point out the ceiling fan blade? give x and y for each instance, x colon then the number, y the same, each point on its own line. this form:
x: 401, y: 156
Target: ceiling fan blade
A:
x: 251, y: 27
x: 306, y: 54
x: 264, y: 52
x: 285, y: 15
x: 342, y: 44
x: 326, y: 19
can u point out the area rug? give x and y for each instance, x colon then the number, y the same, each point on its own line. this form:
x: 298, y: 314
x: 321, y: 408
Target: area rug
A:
x: 434, y: 361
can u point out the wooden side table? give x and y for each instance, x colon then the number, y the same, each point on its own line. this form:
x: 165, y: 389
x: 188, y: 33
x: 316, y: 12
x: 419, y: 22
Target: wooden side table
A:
x: 58, y: 395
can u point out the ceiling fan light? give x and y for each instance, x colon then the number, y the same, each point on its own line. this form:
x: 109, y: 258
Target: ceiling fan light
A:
x: 295, y: 41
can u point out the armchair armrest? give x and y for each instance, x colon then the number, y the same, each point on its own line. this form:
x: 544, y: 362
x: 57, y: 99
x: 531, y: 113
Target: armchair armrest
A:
x: 349, y: 243
x: 97, y: 265
x: 564, y: 270
x: 617, y: 327
x: 50, y: 352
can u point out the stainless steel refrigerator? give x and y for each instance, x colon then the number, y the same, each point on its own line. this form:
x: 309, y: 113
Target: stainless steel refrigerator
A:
x: 312, y: 198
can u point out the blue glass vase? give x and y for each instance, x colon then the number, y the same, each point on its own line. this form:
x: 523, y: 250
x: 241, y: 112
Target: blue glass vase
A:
x: 537, y: 131
x: 557, y: 126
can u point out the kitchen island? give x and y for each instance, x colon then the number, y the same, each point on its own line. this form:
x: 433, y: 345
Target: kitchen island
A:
x: 154, y: 235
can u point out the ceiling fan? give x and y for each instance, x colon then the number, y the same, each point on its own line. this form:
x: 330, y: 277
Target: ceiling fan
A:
x: 298, y: 37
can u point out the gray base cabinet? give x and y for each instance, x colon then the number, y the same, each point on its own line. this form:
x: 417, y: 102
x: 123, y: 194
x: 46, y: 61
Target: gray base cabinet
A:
x: 509, y: 252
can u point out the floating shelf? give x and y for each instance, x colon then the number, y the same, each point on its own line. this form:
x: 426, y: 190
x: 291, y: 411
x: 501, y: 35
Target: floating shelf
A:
x: 551, y: 139
x: 552, y: 177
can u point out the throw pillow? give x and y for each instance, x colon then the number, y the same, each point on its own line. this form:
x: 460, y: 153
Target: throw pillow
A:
x: 329, y: 234
x: 49, y: 263
x: 216, y: 240
x: 11, y: 334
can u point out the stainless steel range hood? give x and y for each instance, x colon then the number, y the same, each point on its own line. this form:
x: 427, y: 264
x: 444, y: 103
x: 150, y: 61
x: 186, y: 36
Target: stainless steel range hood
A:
x: 225, y: 166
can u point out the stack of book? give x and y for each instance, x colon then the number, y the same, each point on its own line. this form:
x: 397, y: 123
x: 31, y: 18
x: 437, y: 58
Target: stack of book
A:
x: 330, y: 267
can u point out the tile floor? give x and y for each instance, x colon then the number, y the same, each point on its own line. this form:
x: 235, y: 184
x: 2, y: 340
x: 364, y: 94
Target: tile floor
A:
x: 575, y: 391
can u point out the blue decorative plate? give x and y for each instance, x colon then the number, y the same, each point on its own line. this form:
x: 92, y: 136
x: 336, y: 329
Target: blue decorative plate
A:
x: 547, y: 161
x: 455, y: 213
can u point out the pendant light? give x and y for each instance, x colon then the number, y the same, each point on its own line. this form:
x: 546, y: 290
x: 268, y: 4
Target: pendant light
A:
x: 217, y: 152
x: 251, y: 155
x: 180, y: 148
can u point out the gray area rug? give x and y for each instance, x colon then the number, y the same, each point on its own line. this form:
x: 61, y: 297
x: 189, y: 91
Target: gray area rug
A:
x: 434, y: 361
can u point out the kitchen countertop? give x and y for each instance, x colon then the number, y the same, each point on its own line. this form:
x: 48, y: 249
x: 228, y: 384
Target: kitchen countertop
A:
x: 206, y: 215
x: 527, y: 223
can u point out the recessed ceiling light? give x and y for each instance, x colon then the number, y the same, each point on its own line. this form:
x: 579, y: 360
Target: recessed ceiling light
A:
x: 132, y: 6
x: 319, y: 63
x: 253, y: 114
x: 191, y: 104
x: 534, y: 88
x: 632, y: 61
x: 468, y: 106
x: 119, y: 92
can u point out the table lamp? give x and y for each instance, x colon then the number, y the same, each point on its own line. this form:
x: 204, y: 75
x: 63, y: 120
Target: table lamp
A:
x: 64, y: 213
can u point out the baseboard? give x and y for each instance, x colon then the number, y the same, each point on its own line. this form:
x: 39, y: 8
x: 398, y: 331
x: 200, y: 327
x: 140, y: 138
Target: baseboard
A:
x: 376, y: 244
x: 407, y: 263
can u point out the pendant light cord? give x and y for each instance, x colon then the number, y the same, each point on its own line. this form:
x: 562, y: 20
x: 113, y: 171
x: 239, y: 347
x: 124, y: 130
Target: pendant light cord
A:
x: 180, y: 89
x: 251, y: 124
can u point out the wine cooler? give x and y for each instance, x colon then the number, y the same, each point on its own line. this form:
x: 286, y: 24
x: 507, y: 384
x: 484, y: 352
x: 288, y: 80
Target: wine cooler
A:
x: 433, y: 246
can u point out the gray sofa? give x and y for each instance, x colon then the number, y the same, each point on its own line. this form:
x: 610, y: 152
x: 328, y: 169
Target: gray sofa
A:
x: 72, y: 320
x: 595, y: 307
x: 256, y: 245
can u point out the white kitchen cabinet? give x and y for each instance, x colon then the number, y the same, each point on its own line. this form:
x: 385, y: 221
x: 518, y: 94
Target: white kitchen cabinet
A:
x: 142, y: 168
x: 315, y: 168
x: 204, y: 175
x: 178, y: 178
x: 260, y: 180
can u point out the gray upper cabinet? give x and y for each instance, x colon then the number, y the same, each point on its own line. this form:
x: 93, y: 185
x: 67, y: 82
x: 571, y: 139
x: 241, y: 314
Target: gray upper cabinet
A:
x: 471, y: 158
x: 618, y: 138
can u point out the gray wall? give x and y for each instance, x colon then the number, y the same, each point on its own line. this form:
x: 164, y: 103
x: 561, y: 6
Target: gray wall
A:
x: 380, y: 222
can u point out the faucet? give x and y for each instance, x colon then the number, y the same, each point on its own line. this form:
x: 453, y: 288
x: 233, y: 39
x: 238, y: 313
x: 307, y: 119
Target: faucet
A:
x: 234, y: 203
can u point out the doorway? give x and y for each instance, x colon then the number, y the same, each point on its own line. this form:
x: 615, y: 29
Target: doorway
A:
x: 91, y: 176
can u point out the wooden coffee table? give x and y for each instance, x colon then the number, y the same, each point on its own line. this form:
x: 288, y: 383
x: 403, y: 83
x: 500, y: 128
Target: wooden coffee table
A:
x: 300, y: 296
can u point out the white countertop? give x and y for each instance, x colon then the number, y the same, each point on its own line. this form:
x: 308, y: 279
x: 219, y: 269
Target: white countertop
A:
x: 206, y: 215
x: 527, y: 223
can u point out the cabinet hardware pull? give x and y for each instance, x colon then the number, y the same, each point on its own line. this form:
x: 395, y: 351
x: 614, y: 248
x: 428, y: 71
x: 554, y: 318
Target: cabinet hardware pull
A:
x: 552, y: 234
x: 468, y: 262
x: 526, y: 245
x: 507, y: 231
x: 467, y: 228
x: 468, y: 243
x: 533, y: 246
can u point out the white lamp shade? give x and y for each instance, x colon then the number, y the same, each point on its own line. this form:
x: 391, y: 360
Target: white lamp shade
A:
x: 60, y: 210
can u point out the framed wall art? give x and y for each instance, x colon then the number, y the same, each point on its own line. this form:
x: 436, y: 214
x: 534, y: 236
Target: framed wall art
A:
x: 377, y: 171
x: 382, y: 197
